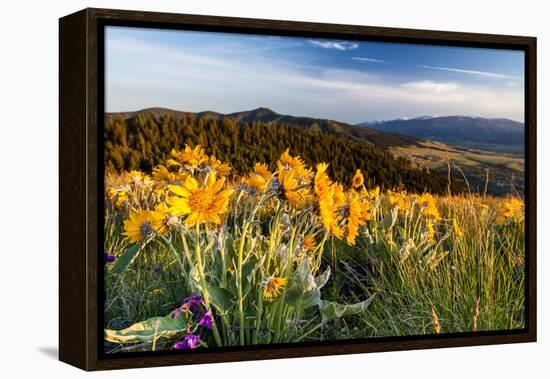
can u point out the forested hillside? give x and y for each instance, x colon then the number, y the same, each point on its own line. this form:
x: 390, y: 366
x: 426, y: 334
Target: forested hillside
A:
x: 143, y: 140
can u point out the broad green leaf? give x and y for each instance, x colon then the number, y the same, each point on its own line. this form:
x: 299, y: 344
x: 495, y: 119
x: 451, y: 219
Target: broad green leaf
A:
x: 304, y: 290
x: 331, y: 310
x: 126, y: 259
x: 298, y: 298
x: 322, y: 279
x: 146, y: 331
x: 220, y: 297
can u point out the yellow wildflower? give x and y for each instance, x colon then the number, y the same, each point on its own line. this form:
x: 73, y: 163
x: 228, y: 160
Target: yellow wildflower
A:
x: 374, y: 193
x: 431, y: 230
x: 358, y: 179
x: 428, y: 203
x: 220, y: 168
x: 137, y: 178
x: 163, y: 176
x: 296, y: 196
x: 295, y: 164
x: 309, y: 242
x: 273, y: 286
x: 139, y: 226
x: 358, y: 213
x: 162, y: 219
x: 511, y: 207
x: 329, y: 204
x: 259, y: 178
x: 399, y: 200
x: 200, y: 203
x: 188, y: 156
x: 118, y: 196
x: 322, y: 181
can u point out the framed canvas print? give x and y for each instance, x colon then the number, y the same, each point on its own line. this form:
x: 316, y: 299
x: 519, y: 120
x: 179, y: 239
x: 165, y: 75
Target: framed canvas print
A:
x: 237, y: 189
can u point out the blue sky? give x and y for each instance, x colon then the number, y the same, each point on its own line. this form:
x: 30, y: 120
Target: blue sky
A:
x: 350, y: 81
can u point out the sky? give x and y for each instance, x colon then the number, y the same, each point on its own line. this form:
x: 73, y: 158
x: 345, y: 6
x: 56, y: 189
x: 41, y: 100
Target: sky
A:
x: 349, y: 81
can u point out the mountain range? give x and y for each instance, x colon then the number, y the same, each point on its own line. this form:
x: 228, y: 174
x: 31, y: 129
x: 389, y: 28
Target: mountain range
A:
x: 378, y: 138
x: 476, y: 144
x: 466, y: 131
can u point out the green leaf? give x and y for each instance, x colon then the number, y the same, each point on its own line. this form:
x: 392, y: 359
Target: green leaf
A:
x: 126, y: 259
x: 249, y: 270
x: 251, y: 311
x: 221, y: 298
x: 148, y: 330
x: 331, y: 310
x: 322, y: 279
x: 304, y: 290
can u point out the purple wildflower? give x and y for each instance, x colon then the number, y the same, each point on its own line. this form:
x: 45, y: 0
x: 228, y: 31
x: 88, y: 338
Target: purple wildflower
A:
x: 190, y: 303
x: 206, y: 320
x: 193, y: 302
x: 157, y: 269
x: 108, y: 258
x: 191, y: 341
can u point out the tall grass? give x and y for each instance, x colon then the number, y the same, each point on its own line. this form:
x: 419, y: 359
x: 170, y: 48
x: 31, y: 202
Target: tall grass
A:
x: 477, y: 257
x: 273, y: 269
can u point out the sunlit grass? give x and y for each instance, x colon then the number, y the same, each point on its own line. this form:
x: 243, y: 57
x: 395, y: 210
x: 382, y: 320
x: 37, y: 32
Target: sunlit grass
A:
x: 290, y: 256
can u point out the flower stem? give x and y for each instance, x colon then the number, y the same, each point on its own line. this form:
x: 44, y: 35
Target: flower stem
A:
x: 240, y: 283
x: 205, y: 293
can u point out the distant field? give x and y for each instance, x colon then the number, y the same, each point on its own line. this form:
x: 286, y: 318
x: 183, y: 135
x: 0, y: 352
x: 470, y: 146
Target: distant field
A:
x: 504, y: 168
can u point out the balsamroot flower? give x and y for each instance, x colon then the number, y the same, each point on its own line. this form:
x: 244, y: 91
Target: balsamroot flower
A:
x: 163, y: 176
x: 163, y: 220
x: 294, y: 164
x: 218, y: 167
x: 511, y: 208
x: 358, y: 179
x: 273, y: 286
x: 138, y: 178
x: 296, y: 196
x: 207, y: 203
x: 329, y: 205
x: 259, y: 178
x: 430, y: 230
x: 191, y: 341
x: 358, y: 213
x: 399, y: 200
x: 119, y: 197
x: 188, y: 157
x: 309, y: 243
x: 322, y: 181
x: 139, y: 226
x: 330, y: 197
x: 428, y: 203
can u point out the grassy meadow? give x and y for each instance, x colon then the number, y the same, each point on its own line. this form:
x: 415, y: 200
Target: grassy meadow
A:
x: 197, y: 256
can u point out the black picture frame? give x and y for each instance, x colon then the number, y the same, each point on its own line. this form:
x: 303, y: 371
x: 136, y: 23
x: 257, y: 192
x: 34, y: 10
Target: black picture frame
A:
x: 81, y: 117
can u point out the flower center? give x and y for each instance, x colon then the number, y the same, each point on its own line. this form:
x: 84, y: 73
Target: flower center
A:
x: 201, y: 200
x: 146, y: 229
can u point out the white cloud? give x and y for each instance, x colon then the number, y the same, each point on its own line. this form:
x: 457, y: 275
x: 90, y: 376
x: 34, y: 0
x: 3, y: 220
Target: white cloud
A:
x: 365, y: 59
x: 471, y: 72
x: 431, y: 86
x: 338, y: 45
